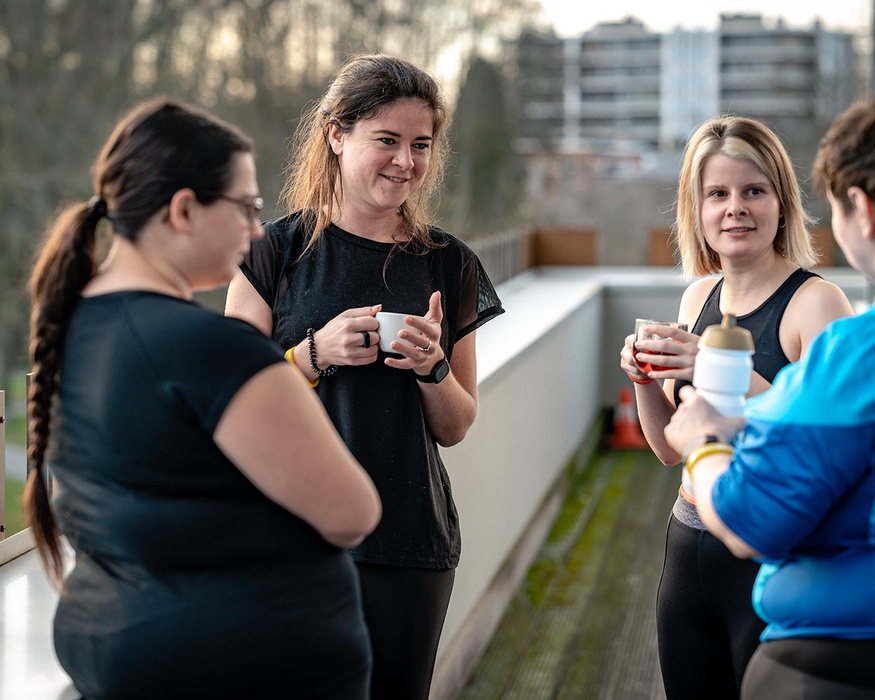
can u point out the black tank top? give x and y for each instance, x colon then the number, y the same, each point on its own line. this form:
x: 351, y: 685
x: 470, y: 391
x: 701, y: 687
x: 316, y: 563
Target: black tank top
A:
x: 763, y: 323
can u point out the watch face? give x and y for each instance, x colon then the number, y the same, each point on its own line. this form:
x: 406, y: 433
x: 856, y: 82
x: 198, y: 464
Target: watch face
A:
x: 441, y: 370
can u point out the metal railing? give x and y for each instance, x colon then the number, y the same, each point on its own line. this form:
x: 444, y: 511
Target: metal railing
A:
x: 502, y: 254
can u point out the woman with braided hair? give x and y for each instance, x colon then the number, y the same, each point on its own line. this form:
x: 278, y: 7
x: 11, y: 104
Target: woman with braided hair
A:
x: 205, y: 493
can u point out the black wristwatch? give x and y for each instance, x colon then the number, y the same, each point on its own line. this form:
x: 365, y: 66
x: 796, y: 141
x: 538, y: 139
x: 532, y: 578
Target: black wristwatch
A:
x: 438, y: 373
x: 699, y: 441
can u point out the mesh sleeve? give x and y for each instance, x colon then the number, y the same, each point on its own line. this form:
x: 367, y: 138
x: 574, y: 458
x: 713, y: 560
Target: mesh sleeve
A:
x: 479, y: 302
x: 261, y: 265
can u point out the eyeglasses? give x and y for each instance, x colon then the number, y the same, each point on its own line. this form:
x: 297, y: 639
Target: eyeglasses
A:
x: 251, y: 207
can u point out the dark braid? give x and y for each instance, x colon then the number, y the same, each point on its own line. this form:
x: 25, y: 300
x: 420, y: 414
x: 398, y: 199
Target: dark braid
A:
x: 160, y: 147
x: 64, y: 267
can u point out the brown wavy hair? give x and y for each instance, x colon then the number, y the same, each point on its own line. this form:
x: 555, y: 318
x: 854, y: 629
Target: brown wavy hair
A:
x: 158, y: 148
x: 846, y: 153
x: 363, y: 87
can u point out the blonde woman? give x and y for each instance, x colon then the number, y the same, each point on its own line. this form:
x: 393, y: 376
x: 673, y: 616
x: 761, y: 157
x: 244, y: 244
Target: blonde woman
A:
x: 742, y: 231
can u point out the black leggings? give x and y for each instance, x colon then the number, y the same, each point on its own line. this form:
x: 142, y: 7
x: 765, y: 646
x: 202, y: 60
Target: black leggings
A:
x: 814, y: 669
x: 404, y: 611
x: 706, y: 627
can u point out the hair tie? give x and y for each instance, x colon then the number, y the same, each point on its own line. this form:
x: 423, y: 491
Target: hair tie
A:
x: 97, y: 208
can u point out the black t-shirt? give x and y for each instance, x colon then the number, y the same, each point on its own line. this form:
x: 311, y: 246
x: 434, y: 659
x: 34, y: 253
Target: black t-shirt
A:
x: 176, y: 551
x: 378, y: 410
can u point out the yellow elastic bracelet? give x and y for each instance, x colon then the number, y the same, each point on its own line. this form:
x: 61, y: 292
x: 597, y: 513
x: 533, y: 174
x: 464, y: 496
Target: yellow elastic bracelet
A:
x: 706, y: 450
x: 290, y: 358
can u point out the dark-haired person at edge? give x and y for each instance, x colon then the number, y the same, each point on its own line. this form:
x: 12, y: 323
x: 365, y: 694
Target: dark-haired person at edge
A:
x: 206, y: 495
x: 366, y: 160
x: 739, y: 214
x: 792, y: 483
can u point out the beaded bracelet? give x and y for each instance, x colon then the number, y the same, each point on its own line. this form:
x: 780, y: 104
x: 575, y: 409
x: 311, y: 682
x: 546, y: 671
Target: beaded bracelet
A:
x: 290, y: 358
x: 706, y: 450
x: 328, y: 371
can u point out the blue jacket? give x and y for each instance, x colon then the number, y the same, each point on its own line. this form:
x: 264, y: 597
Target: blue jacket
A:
x: 801, y: 488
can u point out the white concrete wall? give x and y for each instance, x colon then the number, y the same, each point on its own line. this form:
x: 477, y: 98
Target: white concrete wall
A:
x: 534, y: 411
x: 543, y: 372
x: 545, y: 369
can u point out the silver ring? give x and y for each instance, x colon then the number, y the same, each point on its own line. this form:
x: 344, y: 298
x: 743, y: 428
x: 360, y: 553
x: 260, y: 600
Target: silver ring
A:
x: 427, y: 347
x: 367, y: 337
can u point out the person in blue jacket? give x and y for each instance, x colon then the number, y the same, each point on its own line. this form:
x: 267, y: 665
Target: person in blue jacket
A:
x: 792, y: 484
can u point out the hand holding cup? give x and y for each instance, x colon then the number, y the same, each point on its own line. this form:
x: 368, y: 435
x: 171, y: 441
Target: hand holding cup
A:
x: 391, y: 324
x: 649, y: 330
x: 410, y: 341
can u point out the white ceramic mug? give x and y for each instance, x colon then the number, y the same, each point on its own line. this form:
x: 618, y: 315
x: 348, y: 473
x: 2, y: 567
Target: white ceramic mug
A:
x: 390, y: 324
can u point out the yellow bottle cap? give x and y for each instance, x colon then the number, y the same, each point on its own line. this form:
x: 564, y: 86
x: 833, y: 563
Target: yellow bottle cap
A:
x: 728, y: 335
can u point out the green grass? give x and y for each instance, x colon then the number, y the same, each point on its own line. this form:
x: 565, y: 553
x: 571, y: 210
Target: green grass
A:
x: 14, y: 510
x: 16, y: 430
x: 16, y: 434
x: 16, y: 421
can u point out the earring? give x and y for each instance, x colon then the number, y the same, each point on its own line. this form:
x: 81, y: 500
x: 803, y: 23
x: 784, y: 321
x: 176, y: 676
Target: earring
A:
x: 782, y: 222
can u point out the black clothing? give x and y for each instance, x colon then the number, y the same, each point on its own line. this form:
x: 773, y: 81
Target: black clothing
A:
x: 764, y: 324
x: 377, y: 409
x: 189, y: 582
x: 405, y: 610
x: 706, y: 625
x: 813, y: 669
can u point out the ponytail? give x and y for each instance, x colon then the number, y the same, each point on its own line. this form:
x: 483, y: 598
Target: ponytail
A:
x: 158, y: 148
x: 65, y: 265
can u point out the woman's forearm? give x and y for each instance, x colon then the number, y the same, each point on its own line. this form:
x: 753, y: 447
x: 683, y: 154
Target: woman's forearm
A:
x: 705, y: 473
x: 654, y: 413
x: 449, y: 409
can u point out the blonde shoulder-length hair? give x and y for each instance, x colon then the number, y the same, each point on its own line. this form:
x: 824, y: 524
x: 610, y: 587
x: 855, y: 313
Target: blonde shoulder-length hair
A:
x: 749, y: 139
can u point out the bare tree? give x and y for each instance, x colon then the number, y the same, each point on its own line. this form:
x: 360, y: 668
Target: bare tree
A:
x: 68, y: 68
x: 485, y: 179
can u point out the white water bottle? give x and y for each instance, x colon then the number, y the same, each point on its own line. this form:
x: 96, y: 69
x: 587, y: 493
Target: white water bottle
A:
x: 723, y: 370
x: 724, y: 365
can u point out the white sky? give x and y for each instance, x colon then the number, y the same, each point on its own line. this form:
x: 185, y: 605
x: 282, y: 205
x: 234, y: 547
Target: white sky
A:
x: 572, y: 17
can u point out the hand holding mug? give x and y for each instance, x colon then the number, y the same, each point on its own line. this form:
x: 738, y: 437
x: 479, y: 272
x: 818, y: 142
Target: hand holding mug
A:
x: 664, y: 346
x: 416, y: 343
x: 628, y: 363
x: 350, y: 338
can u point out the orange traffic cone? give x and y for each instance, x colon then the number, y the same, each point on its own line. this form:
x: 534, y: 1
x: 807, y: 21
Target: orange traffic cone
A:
x: 627, y: 433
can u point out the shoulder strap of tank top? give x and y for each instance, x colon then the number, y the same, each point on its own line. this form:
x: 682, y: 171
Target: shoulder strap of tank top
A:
x: 788, y: 288
x: 765, y: 324
x: 710, y: 312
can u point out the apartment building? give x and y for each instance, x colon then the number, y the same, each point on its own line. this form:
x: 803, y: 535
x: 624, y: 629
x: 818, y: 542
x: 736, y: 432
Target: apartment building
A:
x: 621, y: 86
x: 603, y: 116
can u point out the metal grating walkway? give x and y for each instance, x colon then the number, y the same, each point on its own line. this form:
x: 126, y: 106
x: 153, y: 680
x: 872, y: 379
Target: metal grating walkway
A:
x: 583, y: 624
